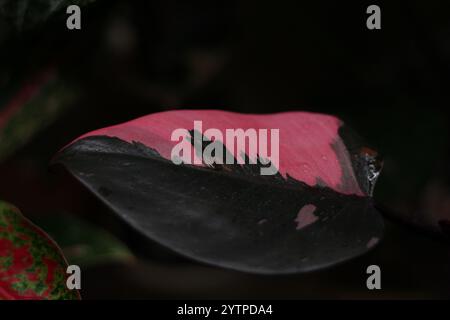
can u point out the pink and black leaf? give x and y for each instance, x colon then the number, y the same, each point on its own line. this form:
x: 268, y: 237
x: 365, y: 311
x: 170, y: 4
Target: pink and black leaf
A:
x: 315, y: 212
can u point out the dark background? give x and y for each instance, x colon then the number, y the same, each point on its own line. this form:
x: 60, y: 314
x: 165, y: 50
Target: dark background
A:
x: 132, y: 58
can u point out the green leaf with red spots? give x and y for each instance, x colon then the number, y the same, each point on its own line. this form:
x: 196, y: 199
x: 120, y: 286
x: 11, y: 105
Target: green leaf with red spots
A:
x: 31, y: 264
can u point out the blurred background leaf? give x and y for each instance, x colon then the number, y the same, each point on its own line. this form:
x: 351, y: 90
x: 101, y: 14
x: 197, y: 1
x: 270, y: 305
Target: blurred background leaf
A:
x: 34, y: 90
x: 83, y: 243
x: 31, y: 107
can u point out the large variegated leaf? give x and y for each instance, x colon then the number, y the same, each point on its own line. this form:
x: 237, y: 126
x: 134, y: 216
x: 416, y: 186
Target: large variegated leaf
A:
x: 314, y: 212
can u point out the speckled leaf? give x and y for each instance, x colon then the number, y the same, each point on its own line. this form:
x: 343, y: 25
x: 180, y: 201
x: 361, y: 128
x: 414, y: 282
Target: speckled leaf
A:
x: 316, y: 211
x: 31, y: 264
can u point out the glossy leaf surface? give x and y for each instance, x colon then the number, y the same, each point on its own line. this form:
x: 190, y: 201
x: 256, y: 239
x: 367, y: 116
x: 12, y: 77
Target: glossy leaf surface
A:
x: 315, y: 212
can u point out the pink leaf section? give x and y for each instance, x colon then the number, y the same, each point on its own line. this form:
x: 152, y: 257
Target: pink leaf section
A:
x: 310, y: 148
x: 306, y: 216
x: 372, y: 242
